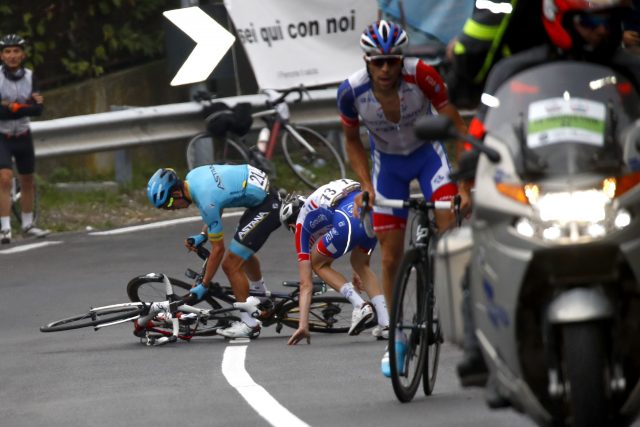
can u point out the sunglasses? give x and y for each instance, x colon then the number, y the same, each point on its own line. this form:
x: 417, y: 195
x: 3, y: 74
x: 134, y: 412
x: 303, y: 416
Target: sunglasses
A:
x: 379, y: 61
x: 593, y: 21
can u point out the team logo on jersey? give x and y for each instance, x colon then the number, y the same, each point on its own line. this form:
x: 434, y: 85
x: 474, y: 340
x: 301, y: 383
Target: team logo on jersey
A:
x: 318, y: 220
x: 348, y: 209
x: 217, y: 178
x: 341, y: 224
x: 254, y: 222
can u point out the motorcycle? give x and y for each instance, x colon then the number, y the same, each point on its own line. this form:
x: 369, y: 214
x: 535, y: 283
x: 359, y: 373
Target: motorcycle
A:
x: 555, y: 264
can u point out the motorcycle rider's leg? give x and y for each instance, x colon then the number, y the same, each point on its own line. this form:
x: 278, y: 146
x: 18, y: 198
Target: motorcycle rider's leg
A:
x: 472, y: 370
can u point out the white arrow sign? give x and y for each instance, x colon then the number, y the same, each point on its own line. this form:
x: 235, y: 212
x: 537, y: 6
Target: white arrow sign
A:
x: 213, y: 41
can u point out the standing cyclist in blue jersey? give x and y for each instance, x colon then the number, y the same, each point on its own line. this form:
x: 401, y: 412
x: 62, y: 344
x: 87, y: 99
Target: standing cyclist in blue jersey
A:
x: 213, y: 188
x: 326, y: 229
x: 387, y: 96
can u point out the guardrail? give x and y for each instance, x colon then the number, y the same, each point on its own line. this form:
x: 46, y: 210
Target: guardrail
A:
x: 149, y: 125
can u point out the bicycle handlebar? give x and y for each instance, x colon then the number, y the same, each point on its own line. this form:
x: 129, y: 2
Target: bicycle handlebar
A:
x: 418, y: 204
x: 280, y: 99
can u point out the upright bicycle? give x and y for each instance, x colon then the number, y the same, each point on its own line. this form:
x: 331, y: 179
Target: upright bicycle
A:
x: 311, y: 157
x: 415, y: 335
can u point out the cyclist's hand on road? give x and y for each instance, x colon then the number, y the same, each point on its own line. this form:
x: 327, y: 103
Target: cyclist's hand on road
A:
x: 299, y: 335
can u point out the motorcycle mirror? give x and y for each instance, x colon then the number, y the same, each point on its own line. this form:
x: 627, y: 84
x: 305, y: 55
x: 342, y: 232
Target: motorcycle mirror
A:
x: 441, y: 127
x: 435, y: 127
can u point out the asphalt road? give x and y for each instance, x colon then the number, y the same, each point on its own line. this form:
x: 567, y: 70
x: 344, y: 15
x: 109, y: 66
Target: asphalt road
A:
x: 88, y: 378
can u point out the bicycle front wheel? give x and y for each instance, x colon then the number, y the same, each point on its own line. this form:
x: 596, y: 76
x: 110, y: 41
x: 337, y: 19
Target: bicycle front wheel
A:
x: 97, y: 316
x: 327, y: 313
x: 148, y: 289
x: 408, y: 337
x: 313, y: 168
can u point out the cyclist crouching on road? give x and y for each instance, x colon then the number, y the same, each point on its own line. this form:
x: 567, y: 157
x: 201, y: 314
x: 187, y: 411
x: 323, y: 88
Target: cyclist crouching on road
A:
x: 325, y: 230
x: 213, y: 188
x: 18, y: 100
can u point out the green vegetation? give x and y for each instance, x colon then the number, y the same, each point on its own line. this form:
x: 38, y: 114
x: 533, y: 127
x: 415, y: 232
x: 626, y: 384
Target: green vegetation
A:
x: 76, y: 39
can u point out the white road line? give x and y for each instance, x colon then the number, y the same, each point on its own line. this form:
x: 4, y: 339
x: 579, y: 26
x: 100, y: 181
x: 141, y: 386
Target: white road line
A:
x: 255, y: 395
x: 23, y: 248
x: 157, y: 225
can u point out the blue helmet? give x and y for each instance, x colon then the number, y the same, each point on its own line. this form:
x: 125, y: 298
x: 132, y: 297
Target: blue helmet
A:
x: 160, y: 186
x: 383, y: 38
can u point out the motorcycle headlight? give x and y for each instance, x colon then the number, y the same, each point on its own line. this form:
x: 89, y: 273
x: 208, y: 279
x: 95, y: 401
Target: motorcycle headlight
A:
x: 570, y: 216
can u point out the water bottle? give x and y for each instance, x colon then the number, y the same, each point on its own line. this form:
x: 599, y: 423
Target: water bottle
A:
x: 263, y: 139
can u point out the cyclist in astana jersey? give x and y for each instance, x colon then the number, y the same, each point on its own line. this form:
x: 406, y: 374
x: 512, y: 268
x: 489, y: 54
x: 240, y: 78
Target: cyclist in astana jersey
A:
x: 326, y: 229
x: 387, y: 97
x: 213, y: 188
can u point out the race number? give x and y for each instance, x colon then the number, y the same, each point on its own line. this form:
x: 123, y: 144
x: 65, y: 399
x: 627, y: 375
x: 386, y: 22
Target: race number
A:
x: 258, y: 178
x: 556, y: 120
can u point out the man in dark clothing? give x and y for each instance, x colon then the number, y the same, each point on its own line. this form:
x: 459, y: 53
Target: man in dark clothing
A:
x: 494, y: 31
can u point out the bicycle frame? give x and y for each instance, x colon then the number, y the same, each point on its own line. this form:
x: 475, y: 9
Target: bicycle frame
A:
x: 276, y: 119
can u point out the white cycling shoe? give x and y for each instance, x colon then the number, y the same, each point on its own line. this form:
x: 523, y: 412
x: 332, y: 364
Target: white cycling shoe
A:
x: 5, y: 237
x: 360, y: 317
x: 240, y: 330
x: 380, y: 332
x: 33, y: 231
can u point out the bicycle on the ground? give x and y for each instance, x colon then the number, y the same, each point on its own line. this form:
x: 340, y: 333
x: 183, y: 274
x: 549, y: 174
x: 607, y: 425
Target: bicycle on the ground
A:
x: 311, y: 157
x: 161, y: 316
x: 414, y: 311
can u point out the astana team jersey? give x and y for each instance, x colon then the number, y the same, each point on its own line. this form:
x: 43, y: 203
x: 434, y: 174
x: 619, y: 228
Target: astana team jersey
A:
x: 327, y: 214
x: 215, y: 187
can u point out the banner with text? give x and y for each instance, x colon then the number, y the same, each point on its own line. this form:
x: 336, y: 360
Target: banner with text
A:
x: 290, y: 42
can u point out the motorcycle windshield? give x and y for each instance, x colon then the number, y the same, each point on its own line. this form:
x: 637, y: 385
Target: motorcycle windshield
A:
x: 563, y: 118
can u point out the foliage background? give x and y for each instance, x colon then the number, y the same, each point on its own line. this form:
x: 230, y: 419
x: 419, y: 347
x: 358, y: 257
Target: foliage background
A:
x: 71, y: 40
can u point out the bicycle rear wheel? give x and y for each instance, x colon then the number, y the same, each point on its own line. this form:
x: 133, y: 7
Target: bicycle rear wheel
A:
x: 229, y: 152
x: 148, y: 289
x: 314, y: 169
x: 327, y: 313
x: 408, y: 337
x: 96, y: 317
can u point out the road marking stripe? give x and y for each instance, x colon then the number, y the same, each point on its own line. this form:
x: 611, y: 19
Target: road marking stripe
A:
x: 23, y: 248
x: 255, y: 395
x: 159, y: 224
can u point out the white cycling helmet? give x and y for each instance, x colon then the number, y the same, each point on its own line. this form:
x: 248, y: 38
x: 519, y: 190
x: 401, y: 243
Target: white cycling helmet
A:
x: 290, y: 208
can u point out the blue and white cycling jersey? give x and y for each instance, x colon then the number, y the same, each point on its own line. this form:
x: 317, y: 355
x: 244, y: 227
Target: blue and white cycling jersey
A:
x: 397, y: 155
x: 328, y: 215
x: 215, y: 187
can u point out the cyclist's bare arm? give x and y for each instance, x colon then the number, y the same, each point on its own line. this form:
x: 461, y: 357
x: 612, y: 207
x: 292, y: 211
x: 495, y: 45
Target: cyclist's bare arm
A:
x: 215, y: 258
x: 304, y: 301
x: 359, y: 163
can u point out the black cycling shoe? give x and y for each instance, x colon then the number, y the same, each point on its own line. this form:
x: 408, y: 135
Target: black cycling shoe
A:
x: 473, y: 371
x: 492, y: 396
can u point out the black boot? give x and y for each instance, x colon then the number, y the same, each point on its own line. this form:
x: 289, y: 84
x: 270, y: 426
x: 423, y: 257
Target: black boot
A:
x: 472, y: 371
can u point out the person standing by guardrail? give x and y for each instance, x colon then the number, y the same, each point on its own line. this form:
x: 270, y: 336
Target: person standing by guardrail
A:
x: 19, y: 100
